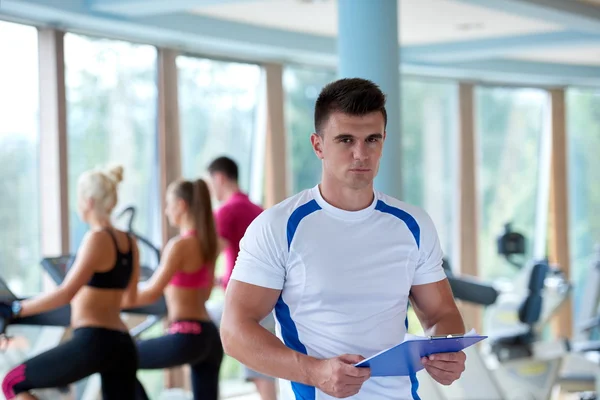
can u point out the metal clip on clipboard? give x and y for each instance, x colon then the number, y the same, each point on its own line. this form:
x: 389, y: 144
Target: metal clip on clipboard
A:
x: 404, y: 359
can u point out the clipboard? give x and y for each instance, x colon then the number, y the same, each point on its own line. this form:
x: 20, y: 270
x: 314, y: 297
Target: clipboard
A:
x: 404, y: 359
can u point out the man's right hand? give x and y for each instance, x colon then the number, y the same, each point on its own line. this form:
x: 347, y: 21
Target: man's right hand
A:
x: 338, y: 377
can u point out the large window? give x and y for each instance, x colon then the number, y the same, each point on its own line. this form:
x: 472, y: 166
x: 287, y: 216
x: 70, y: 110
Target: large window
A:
x: 429, y: 127
x: 302, y: 86
x: 510, y: 128
x: 583, y: 121
x: 19, y: 155
x: 219, y: 104
x: 111, y: 104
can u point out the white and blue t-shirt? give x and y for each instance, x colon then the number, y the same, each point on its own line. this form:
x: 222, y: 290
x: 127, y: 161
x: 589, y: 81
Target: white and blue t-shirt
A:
x: 345, y: 278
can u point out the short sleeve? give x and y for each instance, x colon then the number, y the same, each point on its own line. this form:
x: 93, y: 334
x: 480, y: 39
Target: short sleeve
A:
x: 261, y: 259
x: 429, y: 265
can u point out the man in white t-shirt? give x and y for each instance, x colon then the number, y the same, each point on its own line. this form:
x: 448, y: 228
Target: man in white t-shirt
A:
x: 338, y: 264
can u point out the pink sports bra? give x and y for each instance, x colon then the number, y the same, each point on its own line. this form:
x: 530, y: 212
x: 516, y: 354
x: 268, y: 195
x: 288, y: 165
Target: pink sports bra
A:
x: 199, y: 279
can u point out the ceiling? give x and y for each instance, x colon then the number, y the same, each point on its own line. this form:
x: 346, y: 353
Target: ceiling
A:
x: 550, y: 40
x: 574, y: 55
x: 451, y: 21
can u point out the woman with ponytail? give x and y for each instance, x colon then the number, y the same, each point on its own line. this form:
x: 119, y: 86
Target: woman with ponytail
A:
x: 185, y: 277
x: 103, y: 276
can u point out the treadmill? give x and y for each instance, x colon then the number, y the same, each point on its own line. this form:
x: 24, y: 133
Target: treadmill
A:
x: 56, y: 318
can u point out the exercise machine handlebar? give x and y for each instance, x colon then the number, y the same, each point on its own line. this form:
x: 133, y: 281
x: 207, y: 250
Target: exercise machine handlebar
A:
x: 470, y: 290
x: 131, y: 212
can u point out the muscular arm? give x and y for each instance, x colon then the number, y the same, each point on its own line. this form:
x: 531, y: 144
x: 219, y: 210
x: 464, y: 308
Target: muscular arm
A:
x: 247, y: 341
x: 435, y: 307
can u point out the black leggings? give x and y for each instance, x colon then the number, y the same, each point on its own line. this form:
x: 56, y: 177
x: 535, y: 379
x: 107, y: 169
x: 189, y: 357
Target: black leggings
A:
x: 196, y: 343
x: 108, y: 352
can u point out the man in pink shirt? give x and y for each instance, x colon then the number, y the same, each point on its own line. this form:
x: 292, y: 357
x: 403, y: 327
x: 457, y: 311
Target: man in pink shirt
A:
x: 232, y: 219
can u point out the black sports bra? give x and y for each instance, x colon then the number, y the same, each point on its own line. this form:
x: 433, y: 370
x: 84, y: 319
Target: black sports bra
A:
x: 117, y: 277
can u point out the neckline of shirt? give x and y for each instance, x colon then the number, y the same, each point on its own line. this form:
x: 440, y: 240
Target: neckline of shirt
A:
x: 340, y: 213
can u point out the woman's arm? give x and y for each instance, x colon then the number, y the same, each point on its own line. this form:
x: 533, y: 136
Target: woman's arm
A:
x: 91, y: 254
x: 169, y: 264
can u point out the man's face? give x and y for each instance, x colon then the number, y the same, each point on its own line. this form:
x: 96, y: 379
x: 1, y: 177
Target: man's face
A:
x: 351, y: 147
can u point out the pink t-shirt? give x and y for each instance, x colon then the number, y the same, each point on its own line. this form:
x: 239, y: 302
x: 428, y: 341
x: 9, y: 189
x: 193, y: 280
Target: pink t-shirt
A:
x: 232, y: 220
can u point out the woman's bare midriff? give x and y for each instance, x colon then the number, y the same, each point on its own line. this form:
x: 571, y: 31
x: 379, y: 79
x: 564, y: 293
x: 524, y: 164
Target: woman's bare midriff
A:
x: 184, y: 303
x: 187, y: 304
x: 99, y: 308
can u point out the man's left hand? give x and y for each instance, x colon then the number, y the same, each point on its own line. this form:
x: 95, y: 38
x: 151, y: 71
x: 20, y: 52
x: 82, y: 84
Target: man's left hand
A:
x: 445, y: 368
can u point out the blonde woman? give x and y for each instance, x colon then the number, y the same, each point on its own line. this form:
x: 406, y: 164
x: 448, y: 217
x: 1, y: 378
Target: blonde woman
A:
x: 103, y: 276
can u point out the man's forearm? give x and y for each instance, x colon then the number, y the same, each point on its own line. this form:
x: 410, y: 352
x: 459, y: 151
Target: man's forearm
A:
x: 447, y: 324
x: 260, y: 350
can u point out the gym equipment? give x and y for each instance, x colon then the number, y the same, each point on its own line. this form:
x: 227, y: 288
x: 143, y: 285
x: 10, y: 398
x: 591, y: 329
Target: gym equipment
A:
x: 470, y: 289
x: 58, y: 317
x: 57, y: 267
x: 477, y: 382
x: 146, y: 271
x: 131, y: 211
x: 580, y: 356
x: 520, y: 350
x: 588, y: 326
x: 513, y: 364
x: 4, y: 292
x: 55, y: 318
x: 518, y: 343
x: 511, y: 243
x: 582, y: 363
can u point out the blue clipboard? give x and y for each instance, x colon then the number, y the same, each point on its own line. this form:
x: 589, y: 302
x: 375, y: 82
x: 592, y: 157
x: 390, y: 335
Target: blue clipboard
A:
x: 404, y: 359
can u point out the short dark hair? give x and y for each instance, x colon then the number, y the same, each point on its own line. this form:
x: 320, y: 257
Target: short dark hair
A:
x: 352, y: 96
x: 226, y: 166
